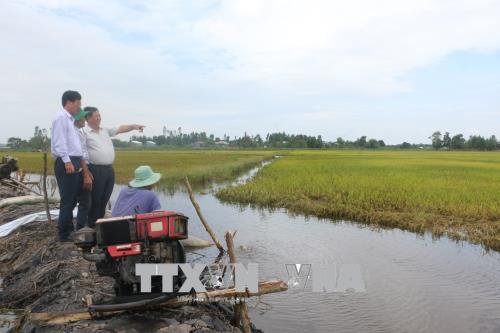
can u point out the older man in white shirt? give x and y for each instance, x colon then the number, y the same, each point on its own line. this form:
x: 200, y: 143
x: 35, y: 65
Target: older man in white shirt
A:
x: 101, y: 157
x: 83, y: 198
x: 69, y: 165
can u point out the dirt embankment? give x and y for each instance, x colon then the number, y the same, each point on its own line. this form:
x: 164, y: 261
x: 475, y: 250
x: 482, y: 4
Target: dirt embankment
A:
x: 42, y: 275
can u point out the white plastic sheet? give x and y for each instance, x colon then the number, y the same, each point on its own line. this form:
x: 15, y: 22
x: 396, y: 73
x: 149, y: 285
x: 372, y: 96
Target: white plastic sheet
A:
x: 25, y: 199
x: 8, y: 227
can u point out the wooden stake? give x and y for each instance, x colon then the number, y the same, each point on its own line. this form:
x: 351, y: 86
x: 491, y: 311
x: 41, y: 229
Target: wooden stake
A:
x: 200, y: 215
x: 240, y: 310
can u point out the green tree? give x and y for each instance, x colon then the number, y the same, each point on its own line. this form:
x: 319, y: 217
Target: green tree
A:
x: 258, y: 140
x: 119, y: 143
x: 447, y: 140
x: 491, y: 143
x: 476, y: 142
x: 361, y: 142
x: 16, y: 143
x: 436, y: 140
x: 405, y: 145
x: 39, y: 140
x: 372, y: 143
x: 458, y: 142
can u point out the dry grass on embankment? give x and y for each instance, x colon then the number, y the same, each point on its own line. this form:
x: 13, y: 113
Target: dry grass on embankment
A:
x: 446, y: 193
x: 201, y: 166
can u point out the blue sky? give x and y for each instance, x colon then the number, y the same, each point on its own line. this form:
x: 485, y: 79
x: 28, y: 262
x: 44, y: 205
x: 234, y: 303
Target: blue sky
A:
x: 392, y: 70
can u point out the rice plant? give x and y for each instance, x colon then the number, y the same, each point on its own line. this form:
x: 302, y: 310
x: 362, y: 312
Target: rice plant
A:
x: 447, y: 193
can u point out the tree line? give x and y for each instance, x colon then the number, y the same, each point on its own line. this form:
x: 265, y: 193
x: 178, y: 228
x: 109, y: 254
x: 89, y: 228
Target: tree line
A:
x: 272, y: 140
x: 177, y: 138
x: 458, y: 142
x: 39, y: 141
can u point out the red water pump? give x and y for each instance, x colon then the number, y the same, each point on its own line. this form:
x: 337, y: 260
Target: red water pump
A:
x: 118, y: 243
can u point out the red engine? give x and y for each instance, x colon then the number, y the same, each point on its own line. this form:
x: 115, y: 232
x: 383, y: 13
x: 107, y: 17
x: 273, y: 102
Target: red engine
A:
x: 118, y: 243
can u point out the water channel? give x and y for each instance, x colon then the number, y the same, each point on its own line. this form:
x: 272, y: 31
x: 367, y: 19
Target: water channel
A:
x: 412, y: 283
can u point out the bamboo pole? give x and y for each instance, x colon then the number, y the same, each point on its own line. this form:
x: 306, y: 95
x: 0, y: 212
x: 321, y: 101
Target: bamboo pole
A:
x: 200, y: 215
x: 59, y: 318
x: 45, y: 195
x: 240, y: 309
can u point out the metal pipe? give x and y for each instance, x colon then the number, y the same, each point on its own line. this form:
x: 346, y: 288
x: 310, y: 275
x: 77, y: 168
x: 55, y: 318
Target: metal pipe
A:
x: 131, y: 305
x: 95, y: 257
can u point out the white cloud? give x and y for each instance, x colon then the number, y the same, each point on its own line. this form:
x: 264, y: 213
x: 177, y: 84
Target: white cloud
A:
x: 310, y: 46
x: 172, y: 62
x: 362, y: 46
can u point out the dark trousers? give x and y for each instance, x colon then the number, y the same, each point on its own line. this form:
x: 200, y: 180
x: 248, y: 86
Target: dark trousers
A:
x: 69, y: 188
x: 82, y: 217
x: 102, y: 187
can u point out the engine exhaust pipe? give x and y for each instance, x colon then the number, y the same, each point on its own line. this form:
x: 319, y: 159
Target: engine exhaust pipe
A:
x: 95, y: 257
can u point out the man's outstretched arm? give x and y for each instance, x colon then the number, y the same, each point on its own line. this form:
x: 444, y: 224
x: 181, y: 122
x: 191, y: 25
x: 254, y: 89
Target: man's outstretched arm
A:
x: 128, y: 128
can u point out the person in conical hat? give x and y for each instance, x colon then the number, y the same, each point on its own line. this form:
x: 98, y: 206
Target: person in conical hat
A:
x: 138, y: 197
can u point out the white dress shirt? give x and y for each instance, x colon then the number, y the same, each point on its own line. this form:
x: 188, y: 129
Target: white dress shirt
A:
x: 65, y: 141
x: 99, y: 145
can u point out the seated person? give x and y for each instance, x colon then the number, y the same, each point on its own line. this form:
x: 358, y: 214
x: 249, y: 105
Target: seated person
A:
x: 138, y: 197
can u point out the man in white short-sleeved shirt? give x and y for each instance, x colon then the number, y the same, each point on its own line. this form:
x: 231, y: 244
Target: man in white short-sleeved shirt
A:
x: 83, y: 198
x: 101, y: 157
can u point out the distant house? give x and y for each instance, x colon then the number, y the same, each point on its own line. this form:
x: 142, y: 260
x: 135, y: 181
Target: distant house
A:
x: 222, y: 144
x: 198, y: 144
x: 150, y: 143
x: 4, y: 146
x: 135, y: 143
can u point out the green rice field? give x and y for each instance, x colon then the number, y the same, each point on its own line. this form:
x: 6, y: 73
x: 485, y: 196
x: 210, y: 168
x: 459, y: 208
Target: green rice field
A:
x: 446, y: 193
x: 201, y: 166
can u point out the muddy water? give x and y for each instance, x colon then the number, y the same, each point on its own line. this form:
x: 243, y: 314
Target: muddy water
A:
x: 412, y: 284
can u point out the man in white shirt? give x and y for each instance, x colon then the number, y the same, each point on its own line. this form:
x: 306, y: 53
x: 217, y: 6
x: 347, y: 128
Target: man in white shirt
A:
x: 101, y: 157
x: 68, y: 167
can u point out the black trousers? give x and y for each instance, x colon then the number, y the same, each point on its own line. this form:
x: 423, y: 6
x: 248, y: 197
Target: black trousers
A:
x: 83, y: 201
x: 102, y: 187
x: 70, y: 186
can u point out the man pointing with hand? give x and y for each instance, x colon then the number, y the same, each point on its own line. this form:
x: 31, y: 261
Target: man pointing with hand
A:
x: 101, y: 157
